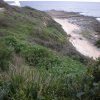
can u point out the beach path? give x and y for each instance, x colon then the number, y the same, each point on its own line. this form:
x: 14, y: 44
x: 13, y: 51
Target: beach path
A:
x: 81, y: 44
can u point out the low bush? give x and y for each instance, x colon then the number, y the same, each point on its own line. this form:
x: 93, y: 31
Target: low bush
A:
x: 98, y: 43
x: 5, y: 56
x: 41, y: 85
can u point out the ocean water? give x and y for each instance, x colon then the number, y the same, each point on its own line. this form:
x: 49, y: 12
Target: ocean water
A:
x: 85, y: 8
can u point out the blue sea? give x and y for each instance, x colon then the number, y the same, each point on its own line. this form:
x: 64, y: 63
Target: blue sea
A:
x: 85, y: 8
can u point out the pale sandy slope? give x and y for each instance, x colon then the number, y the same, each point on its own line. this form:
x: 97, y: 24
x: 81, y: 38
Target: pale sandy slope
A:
x: 2, y: 9
x: 79, y: 42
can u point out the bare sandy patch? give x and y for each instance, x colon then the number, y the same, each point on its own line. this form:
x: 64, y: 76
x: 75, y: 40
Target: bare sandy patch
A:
x: 2, y: 9
x: 81, y: 44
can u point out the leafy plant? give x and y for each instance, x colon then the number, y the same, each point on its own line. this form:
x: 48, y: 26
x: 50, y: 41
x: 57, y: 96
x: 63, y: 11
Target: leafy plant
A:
x: 5, y: 56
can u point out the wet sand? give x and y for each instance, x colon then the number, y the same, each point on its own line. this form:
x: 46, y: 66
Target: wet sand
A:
x: 81, y: 44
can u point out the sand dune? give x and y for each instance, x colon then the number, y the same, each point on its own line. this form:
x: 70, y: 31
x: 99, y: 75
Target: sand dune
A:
x: 2, y: 9
x: 82, y: 45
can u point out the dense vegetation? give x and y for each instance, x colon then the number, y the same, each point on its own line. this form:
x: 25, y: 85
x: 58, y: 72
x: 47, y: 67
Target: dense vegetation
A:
x: 37, y: 62
x: 98, y: 43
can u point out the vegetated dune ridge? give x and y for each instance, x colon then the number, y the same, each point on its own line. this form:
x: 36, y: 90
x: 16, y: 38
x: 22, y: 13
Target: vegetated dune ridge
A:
x: 32, y: 65
x: 83, y: 31
x: 79, y: 42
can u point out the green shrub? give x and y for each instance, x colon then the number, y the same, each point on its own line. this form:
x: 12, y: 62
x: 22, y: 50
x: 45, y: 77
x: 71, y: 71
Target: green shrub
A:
x: 49, y: 75
x: 15, y: 44
x: 96, y: 70
x: 38, y: 56
x: 41, y: 85
x: 98, y: 43
x: 5, y: 56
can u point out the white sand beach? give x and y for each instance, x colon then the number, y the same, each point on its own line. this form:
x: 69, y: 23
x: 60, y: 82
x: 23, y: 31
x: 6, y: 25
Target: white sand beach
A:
x: 81, y: 44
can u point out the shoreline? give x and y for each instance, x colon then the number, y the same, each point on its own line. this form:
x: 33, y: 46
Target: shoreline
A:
x: 90, y: 25
x: 74, y: 14
x: 83, y: 31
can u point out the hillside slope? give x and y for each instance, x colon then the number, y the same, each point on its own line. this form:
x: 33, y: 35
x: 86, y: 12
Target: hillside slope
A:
x: 83, y: 31
x: 90, y: 26
x: 37, y: 27
x: 37, y: 62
